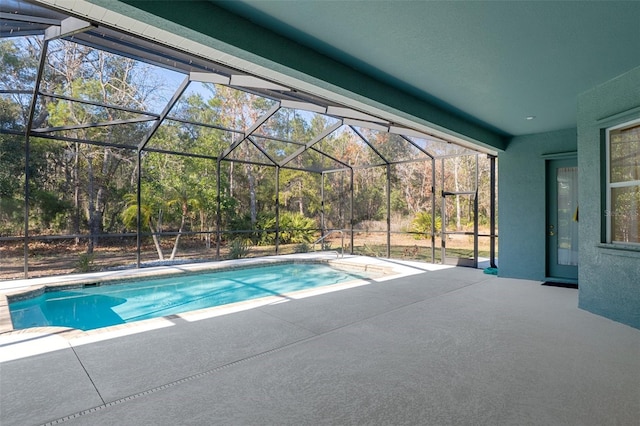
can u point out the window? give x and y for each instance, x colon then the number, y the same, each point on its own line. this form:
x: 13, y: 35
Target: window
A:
x: 623, y: 183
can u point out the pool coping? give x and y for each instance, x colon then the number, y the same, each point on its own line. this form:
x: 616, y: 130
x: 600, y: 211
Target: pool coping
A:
x: 37, y: 286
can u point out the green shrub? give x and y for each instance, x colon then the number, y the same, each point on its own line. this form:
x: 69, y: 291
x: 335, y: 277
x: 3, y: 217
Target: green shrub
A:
x: 302, y: 248
x: 242, y: 223
x: 267, y: 224
x: 296, y: 228
x: 238, y: 248
x: 50, y: 207
x: 422, y: 224
x: 85, y: 263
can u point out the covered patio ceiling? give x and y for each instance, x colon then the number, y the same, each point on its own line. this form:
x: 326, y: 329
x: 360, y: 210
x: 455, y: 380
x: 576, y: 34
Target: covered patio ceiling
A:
x: 498, y: 63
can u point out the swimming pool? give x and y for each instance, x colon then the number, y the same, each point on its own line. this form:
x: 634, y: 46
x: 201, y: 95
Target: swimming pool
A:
x: 93, y: 306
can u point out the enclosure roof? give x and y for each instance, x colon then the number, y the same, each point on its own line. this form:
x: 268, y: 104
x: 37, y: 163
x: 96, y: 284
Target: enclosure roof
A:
x: 190, y: 99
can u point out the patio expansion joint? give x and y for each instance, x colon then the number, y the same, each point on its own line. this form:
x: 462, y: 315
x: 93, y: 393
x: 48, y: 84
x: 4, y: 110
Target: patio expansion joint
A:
x: 171, y: 384
x: 410, y: 303
x: 87, y: 373
x: 363, y: 319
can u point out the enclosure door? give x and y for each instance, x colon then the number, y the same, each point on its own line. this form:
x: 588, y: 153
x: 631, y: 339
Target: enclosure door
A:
x: 460, y: 228
x: 562, y: 220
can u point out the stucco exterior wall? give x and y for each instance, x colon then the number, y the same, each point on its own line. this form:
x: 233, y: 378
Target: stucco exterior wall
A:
x: 521, y: 201
x: 609, y: 278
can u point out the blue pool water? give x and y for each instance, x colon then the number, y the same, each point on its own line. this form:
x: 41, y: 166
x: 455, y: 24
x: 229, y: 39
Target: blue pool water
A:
x: 88, y: 308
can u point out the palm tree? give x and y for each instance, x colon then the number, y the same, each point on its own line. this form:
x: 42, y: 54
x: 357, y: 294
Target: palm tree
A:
x: 182, y: 199
x: 130, y: 217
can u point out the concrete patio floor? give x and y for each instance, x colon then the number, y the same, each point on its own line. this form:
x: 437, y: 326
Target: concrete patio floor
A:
x: 439, y: 347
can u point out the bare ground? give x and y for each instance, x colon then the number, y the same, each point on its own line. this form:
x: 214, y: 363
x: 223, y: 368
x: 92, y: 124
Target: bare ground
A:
x: 61, y: 257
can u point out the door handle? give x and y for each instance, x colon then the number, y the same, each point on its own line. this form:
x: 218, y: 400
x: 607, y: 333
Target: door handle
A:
x: 552, y: 230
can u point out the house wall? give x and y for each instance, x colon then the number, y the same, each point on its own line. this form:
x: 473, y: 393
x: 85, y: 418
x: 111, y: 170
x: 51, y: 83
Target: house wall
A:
x: 521, y: 201
x: 609, y: 278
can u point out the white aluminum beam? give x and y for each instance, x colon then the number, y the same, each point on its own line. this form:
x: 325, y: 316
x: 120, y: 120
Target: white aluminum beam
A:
x: 209, y: 77
x: 68, y: 27
x: 403, y: 131
x: 255, y: 82
x: 366, y: 125
x: 304, y: 106
x: 351, y: 113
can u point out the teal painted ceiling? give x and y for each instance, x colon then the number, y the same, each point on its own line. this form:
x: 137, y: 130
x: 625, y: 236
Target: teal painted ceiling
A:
x: 495, y: 63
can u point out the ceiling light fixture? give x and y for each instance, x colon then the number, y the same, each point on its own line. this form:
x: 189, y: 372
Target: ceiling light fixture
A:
x: 530, y: 117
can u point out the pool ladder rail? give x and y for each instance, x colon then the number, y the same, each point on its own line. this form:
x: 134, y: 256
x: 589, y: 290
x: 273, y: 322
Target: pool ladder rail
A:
x: 338, y: 254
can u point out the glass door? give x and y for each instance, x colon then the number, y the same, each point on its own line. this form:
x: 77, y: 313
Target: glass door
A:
x: 562, y: 219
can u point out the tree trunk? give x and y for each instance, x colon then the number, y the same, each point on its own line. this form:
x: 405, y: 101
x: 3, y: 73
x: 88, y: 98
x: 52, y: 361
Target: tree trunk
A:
x: 182, y: 222
x: 91, y: 206
x: 97, y: 220
x: 156, y: 241
x: 253, y: 205
x: 231, y: 182
x: 300, y: 200
x: 76, y: 192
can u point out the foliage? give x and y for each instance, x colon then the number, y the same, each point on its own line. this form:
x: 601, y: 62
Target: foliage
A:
x: 130, y: 214
x: 240, y: 223
x: 294, y: 228
x: 422, y: 223
x: 238, y: 248
x: 85, y: 263
x: 11, y: 216
x: 302, y: 248
x: 11, y: 158
x: 49, y: 208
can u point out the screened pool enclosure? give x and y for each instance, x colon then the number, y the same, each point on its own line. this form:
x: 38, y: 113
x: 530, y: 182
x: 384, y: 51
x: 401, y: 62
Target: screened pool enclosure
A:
x: 116, y: 151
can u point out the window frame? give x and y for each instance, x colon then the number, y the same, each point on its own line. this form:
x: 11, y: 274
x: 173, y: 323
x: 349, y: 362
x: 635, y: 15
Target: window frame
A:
x: 609, y: 185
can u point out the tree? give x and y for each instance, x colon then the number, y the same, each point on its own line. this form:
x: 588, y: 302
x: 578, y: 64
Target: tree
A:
x: 130, y: 219
x: 95, y: 177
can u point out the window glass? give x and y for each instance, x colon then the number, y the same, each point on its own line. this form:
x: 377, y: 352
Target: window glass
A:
x: 567, y: 215
x: 623, y: 184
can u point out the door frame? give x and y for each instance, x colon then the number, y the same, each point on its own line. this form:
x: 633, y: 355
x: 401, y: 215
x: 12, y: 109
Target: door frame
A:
x: 553, y: 272
x: 471, y: 261
x: 455, y: 260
